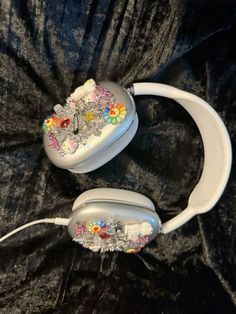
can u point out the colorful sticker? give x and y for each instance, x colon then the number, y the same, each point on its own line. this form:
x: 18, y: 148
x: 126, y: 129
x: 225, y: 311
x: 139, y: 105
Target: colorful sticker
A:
x: 114, y: 113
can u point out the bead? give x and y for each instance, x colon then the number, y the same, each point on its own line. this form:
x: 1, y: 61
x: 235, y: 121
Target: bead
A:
x: 64, y: 123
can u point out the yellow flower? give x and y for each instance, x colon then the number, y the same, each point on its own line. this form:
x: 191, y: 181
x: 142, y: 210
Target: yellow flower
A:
x: 89, y: 116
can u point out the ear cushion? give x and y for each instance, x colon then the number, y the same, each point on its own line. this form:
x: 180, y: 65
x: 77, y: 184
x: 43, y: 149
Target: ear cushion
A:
x: 117, y: 195
x: 103, y: 157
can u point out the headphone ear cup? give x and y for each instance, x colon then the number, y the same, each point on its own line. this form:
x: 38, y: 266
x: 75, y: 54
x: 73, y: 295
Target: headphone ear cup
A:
x: 81, y: 137
x: 114, y: 195
x: 113, y: 220
x: 103, y: 157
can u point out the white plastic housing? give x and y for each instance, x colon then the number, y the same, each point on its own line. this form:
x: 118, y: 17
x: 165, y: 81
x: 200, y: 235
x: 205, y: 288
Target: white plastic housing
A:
x: 217, y: 151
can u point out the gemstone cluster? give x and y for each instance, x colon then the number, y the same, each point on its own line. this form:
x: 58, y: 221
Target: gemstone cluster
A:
x: 87, y: 111
x: 111, y: 235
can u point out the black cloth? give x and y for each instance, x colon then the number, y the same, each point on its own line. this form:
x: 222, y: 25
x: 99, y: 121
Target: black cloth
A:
x: 47, y: 48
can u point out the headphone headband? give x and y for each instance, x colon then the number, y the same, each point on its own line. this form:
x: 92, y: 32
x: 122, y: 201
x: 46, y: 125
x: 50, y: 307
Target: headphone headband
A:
x: 217, y: 150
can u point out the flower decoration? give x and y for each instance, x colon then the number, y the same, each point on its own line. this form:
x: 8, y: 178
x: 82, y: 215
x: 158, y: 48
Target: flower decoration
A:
x: 89, y: 116
x: 114, y: 113
x: 109, y: 235
x: 86, y: 112
x: 99, y: 227
x: 49, y: 123
x: 95, y: 229
x: 64, y: 123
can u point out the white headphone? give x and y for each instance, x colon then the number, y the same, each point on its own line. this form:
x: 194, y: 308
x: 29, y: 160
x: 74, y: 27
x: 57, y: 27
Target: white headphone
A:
x: 96, y: 123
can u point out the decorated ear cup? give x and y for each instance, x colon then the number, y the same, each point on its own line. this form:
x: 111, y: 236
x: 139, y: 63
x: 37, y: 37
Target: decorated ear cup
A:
x: 102, y: 157
x: 95, y: 124
x: 109, y: 221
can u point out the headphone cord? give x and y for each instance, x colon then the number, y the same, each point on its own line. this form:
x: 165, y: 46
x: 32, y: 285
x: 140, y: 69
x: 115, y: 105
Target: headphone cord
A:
x: 56, y: 221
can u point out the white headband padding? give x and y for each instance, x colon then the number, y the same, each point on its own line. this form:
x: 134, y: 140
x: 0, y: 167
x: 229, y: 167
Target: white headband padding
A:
x: 217, y: 150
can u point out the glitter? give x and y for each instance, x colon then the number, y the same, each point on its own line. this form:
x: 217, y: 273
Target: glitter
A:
x: 114, y: 113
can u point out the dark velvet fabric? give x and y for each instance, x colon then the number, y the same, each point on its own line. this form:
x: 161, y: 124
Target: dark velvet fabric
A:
x: 47, y: 48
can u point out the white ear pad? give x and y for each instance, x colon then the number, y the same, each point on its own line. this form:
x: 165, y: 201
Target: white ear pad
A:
x: 113, y: 220
x: 113, y: 195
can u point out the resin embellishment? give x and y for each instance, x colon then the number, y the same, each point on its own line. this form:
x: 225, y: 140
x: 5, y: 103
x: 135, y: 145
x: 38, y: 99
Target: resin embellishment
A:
x: 49, y: 123
x: 87, y: 111
x: 114, y: 113
x: 111, y: 235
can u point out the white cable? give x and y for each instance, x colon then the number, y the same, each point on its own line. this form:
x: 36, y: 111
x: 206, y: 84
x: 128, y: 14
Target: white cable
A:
x: 56, y: 221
